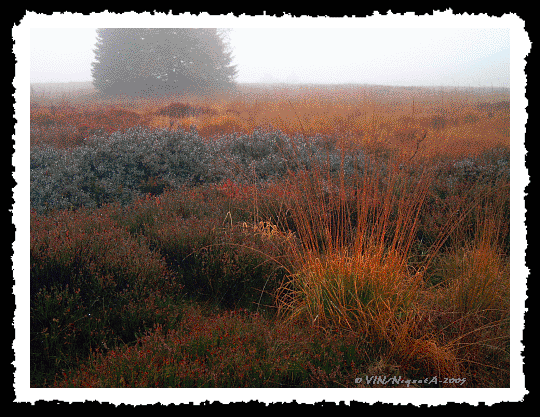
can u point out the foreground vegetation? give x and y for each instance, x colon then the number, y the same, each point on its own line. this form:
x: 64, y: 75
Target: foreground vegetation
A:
x: 234, y: 244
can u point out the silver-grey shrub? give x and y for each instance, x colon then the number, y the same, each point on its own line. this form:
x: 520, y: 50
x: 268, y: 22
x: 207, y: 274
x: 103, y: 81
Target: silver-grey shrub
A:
x: 107, y: 169
x: 113, y: 168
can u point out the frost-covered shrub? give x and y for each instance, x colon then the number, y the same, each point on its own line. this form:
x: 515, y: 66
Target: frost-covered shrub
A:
x: 141, y: 160
x: 114, y: 168
x: 266, y: 155
x: 490, y: 166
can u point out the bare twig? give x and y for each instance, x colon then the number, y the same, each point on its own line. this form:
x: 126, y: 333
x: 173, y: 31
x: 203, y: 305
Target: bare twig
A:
x: 418, y: 142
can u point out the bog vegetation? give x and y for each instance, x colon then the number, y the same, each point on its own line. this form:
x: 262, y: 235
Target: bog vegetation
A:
x: 275, y: 237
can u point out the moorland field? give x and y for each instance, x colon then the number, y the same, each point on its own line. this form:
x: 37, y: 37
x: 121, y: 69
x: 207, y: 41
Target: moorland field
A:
x: 277, y: 236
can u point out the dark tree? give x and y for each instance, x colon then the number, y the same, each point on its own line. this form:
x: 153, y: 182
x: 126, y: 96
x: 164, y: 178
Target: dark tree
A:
x: 149, y: 61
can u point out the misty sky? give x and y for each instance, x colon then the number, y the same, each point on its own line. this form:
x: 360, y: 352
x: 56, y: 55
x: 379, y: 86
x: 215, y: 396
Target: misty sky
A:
x: 408, y: 57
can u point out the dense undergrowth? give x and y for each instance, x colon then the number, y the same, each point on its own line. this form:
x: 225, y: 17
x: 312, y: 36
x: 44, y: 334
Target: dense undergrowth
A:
x: 168, y: 258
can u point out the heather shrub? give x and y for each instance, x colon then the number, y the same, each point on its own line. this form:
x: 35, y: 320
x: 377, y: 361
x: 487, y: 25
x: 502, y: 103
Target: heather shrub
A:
x: 180, y: 110
x: 232, y: 349
x: 61, y: 135
x: 92, y: 286
x: 234, y: 266
x: 41, y: 118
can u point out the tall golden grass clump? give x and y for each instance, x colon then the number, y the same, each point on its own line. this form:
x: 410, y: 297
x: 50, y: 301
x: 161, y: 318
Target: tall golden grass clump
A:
x: 478, y: 276
x: 351, y: 272
x: 356, y: 233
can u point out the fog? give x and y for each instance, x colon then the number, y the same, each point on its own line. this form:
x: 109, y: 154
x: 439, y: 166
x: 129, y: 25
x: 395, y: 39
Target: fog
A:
x: 386, y: 56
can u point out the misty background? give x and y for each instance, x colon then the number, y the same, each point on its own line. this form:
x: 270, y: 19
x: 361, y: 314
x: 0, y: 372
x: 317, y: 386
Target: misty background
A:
x: 396, y: 57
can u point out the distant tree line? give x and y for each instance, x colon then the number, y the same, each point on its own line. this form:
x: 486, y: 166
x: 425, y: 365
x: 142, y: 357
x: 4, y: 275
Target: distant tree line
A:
x: 143, y: 61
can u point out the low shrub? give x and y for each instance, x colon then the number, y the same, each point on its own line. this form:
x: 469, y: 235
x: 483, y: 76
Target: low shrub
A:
x: 122, y: 166
x: 92, y: 285
x: 181, y: 110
